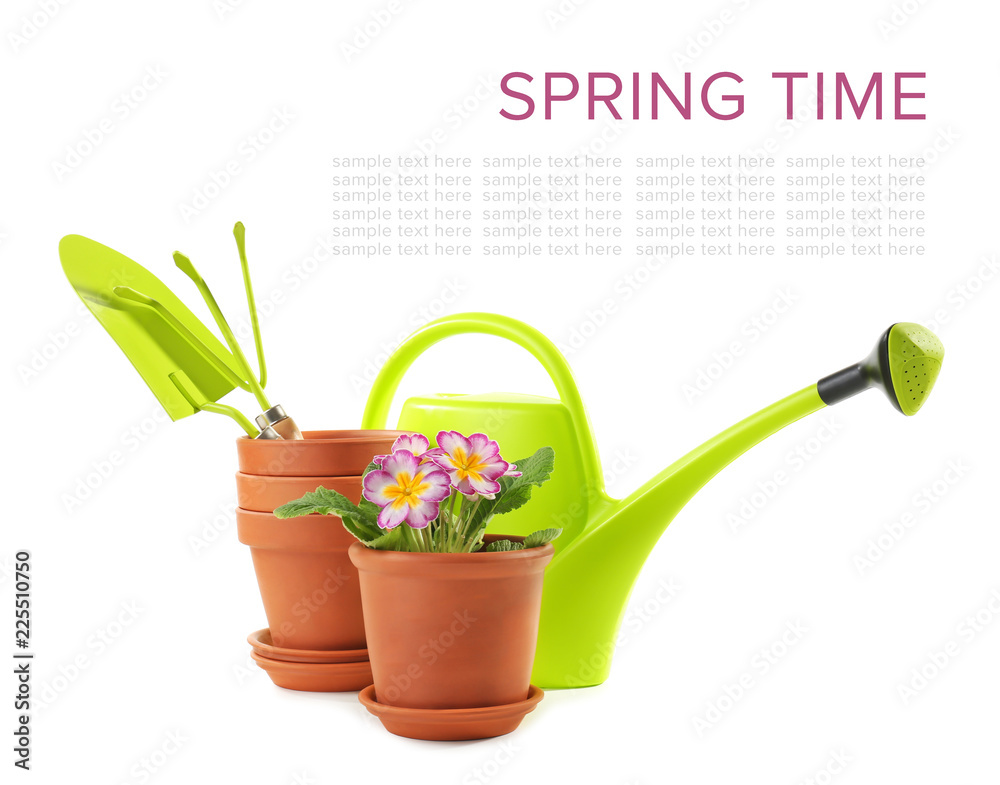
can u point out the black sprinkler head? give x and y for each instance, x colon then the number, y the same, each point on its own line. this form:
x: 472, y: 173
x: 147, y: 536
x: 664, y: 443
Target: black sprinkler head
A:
x: 904, y: 365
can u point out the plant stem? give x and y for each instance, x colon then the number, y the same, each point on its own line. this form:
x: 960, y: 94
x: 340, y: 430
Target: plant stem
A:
x: 470, y: 538
x: 449, y: 538
x: 414, y: 540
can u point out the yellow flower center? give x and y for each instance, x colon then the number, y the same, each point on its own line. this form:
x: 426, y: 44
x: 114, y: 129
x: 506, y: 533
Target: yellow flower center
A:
x: 407, y: 489
x: 470, y: 466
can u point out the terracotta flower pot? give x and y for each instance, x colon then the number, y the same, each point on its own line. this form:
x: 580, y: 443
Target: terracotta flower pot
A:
x: 319, y: 454
x: 307, y: 581
x: 451, y: 630
x: 265, y: 494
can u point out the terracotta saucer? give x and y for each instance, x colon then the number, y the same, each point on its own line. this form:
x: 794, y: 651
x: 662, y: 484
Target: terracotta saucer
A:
x: 316, y: 676
x: 262, y: 645
x: 450, y: 724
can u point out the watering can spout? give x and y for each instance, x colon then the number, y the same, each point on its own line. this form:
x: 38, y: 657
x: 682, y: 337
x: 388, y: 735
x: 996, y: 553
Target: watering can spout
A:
x: 587, y: 586
x: 606, y: 542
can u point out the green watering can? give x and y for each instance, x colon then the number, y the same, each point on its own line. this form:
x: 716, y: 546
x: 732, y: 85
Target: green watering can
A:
x: 605, y: 541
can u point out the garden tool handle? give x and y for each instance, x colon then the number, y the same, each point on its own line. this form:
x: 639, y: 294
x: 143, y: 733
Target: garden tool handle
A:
x: 387, y: 382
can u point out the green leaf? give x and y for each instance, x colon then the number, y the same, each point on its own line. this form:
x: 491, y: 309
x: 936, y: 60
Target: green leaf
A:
x: 389, y: 540
x: 503, y: 545
x: 369, y: 508
x: 516, y: 491
x: 380, y: 539
x: 322, y: 501
x: 541, y: 537
x: 363, y: 533
x: 328, y: 502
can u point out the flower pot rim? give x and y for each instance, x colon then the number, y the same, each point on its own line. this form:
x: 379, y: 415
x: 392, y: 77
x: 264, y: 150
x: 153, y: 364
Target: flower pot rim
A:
x: 274, y: 479
x: 355, y: 436
x: 319, y: 454
x: 478, y: 557
x: 306, y: 533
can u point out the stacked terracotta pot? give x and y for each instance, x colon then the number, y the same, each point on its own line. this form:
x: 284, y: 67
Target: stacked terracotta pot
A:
x: 315, y: 639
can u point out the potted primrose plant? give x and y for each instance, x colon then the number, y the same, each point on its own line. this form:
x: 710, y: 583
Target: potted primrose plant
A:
x: 450, y: 612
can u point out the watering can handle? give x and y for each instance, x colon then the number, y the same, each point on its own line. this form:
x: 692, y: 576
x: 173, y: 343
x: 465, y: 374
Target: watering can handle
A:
x: 387, y: 382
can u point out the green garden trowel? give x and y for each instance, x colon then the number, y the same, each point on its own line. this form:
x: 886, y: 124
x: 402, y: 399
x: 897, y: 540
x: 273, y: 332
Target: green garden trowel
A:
x: 606, y: 541
x: 185, y: 365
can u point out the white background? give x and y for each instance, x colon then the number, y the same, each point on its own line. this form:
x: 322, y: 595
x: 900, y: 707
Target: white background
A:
x: 181, y: 665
